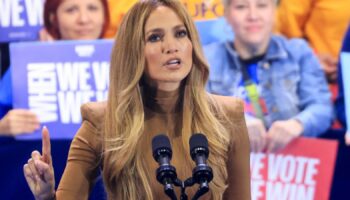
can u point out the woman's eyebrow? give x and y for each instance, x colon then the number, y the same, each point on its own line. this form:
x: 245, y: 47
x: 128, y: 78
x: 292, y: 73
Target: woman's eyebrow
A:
x: 157, y: 30
x: 179, y: 26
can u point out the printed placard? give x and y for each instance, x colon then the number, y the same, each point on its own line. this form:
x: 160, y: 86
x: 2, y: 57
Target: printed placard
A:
x: 55, y: 79
x: 303, y: 171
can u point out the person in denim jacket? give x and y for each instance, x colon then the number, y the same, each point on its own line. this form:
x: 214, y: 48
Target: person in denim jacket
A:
x: 292, y: 94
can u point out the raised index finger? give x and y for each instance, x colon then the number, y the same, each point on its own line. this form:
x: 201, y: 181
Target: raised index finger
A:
x: 46, y: 145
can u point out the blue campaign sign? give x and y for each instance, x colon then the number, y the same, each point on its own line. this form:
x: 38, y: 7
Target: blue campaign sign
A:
x: 345, y: 61
x: 20, y: 19
x: 55, y: 79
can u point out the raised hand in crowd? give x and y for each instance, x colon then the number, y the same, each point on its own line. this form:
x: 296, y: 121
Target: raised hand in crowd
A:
x: 329, y: 65
x: 282, y: 133
x: 257, y: 134
x: 19, y: 121
x: 39, y: 171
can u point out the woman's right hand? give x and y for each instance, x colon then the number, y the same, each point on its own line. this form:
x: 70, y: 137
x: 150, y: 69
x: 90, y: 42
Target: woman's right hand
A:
x: 39, y: 171
x: 19, y: 121
x: 257, y: 134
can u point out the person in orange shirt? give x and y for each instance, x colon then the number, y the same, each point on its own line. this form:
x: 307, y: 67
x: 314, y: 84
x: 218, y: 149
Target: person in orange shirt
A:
x: 198, y: 9
x: 117, y: 9
x: 321, y: 22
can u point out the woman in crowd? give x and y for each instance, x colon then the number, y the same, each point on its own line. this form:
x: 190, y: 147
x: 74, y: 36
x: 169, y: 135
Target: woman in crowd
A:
x: 322, y: 23
x: 157, y: 85
x: 64, y: 20
x: 281, y: 80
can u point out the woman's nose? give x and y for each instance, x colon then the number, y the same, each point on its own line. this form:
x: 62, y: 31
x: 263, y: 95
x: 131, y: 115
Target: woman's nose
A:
x: 170, y: 45
x: 84, y: 16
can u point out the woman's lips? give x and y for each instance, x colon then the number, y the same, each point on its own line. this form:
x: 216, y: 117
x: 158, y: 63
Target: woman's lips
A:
x: 84, y: 31
x: 173, y: 63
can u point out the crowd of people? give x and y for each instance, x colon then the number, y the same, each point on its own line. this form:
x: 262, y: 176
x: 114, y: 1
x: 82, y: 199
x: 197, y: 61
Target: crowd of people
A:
x: 280, y: 78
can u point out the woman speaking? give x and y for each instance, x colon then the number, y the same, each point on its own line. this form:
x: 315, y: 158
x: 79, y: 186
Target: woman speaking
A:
x: 157, y: 85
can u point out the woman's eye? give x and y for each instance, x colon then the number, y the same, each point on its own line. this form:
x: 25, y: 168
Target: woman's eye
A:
x: 154, y: 38
x: 240, y: 7
x: 181, y: 33
x: 71, y: 9
x: 93, y: 8
x: 262, y: 5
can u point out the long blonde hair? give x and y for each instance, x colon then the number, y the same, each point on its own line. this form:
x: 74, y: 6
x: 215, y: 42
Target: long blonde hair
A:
x: 124, y: 175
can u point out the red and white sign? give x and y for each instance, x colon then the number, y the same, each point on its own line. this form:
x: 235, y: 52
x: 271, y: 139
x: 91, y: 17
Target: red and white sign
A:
x: 301, y: 171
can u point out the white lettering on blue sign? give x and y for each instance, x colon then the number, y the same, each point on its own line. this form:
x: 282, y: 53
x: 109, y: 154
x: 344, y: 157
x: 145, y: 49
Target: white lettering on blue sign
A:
x: 101, y: 75
x: 57, y: 90
x: 18, y: 13
x: 42, y: 89
x: 84, y: 50
x: 70, y: 102
x: 35, y: 12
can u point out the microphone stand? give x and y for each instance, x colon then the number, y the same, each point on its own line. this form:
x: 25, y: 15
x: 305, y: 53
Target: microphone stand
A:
x: 169, y: 190
x: 166, y: 173
x: 203, y: 188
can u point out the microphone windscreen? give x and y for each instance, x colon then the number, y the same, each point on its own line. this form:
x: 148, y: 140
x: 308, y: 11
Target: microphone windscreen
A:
x: 160, y: 142
x: 198, y: 140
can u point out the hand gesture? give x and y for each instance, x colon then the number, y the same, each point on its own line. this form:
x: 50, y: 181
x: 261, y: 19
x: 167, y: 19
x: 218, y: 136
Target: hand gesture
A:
x: 19, y: 121
x: 257, y: 134
x: 282, y: 133
x: 39, y: 171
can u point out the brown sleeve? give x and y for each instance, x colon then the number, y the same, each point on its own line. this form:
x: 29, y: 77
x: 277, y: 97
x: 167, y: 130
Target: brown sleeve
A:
x: 238, y: 163
x: 83, y: 160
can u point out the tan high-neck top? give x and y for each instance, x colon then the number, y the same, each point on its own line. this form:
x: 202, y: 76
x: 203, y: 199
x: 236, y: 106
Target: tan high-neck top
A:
x: 162, y: 115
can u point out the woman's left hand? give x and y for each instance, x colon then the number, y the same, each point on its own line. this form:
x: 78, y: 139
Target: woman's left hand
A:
x: 282, y: 133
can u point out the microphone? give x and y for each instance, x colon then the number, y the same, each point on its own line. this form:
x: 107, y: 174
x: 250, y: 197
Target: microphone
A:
x: 202, y: 174
x: 166, y: 173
